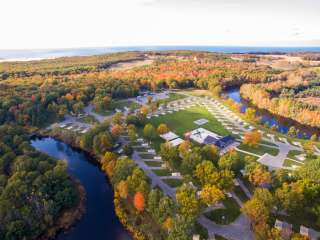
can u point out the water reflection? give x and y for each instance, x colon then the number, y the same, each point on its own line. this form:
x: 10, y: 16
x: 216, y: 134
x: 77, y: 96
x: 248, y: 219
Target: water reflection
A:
x: 280, y: 123
x: 99, y: 221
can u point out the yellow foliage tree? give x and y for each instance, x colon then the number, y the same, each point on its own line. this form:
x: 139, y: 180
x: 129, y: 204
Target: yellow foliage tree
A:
x: 210, y: 194
x: 122, y: 189
x: 162, y: 128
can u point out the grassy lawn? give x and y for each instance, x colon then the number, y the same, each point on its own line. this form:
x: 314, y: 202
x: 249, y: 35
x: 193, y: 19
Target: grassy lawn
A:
x: 293, y: 153
x: 173, y: 182
x: 240, y: 194
x: 162, y: 172
x: 124, y: 103
x: 183, y: 121
x: 105, y: 112
x: 259, y: 150
x: 172, y: 97
x: 153, y: 163
x: 290, y: 163
x: 198, y: 92
x: 244, y: 155
x: 230, y: 212
x: 268, y: 143
x: 88, y: 119
x: 146, y: 155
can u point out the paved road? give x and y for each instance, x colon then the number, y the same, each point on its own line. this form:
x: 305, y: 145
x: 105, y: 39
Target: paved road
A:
x: 244, y: 188
x: 275, y: 162
x: 100, y: 118
x: 240, y: 229
x: 156, y: 180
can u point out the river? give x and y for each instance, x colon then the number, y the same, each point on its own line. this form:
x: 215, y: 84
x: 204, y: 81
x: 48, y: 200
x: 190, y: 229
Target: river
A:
x: 269, y: 119
x: 100, y: 221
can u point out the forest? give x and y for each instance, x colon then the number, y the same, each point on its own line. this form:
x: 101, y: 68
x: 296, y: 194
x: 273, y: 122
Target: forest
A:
x: 294, y: 97
x: 36, y: 98
x: 34, y: 188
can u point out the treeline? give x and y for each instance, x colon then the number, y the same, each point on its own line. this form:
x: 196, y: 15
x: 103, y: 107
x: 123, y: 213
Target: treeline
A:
x: 283, y: 106
x: 64, y: 65
x: 34, y: 188
x: 38, y: 104
x: 33, y: 101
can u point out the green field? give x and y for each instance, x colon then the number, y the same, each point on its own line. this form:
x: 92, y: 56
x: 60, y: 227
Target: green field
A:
x: 183, y: 121
x: 293, y: 153
x: 153, y: 163
x: 162, y: 172
x: 124, y: 103
x: 290, y: 163
x: 173, y: 182
x: 146, y: 155
x: 172, y: 97
x: 225, y: 215
x: 259, y: 150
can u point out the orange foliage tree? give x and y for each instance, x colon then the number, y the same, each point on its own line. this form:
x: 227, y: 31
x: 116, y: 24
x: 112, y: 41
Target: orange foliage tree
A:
x: 116, y: 130
x: 139, y: 202
x: 252, y: 138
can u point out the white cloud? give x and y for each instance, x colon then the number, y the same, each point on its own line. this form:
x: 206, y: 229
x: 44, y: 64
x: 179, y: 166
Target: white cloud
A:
x: 75, y: 23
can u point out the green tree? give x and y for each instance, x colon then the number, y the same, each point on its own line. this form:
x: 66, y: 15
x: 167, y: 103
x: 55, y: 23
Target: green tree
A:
x: 149, y: 132
x: 170, y: 155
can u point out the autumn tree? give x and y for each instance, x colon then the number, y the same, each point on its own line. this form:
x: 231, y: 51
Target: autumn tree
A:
x: 290, y: 197
x: 168, y: 224
x: 144, y: 110
x: 102, y: 143
x: 256, y: 211
x: 108, y: 157
x: 184, y: 147
x: 132, y: 132
x: 149, y: 99
x: 206, y: 173
x: 251, y: 114
x: 117, y: 118
x: 116, y: 130
x: 210, y: 194
x: 292, y: 132
x: 210, y: 152
x: 259, y: 176
x: 170, y: 155
x: 230, y: 161
x: 162, y: 128
x: 139, y: 202
x: 122, y: 188
x: 188, y: 203
x: 252, y: 138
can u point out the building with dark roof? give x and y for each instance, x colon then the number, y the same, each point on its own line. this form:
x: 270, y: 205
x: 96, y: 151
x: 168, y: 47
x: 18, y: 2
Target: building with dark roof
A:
x: 224, y: 141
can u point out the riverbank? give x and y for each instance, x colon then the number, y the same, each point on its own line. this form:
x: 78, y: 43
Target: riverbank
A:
x: 71, y: 216
x: 122, y: 210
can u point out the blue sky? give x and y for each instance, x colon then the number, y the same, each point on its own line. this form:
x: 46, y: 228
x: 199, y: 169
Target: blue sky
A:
x: 93, y: 23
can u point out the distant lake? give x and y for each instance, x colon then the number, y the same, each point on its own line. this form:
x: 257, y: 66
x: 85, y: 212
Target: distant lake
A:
x: 35, y: 54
